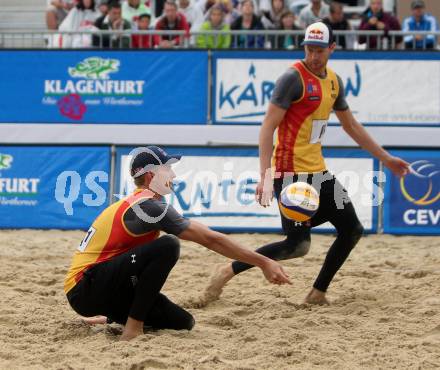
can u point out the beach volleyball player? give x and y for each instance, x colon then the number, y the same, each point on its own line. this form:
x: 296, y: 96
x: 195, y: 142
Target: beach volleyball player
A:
x: 302, y: 101
x: 119, y: 268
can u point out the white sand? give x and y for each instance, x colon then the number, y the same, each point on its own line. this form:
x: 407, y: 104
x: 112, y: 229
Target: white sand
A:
x: 385, y: 312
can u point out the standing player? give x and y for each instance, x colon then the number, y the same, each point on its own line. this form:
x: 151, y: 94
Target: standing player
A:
x: 302, y: 101
x: 121, y: 265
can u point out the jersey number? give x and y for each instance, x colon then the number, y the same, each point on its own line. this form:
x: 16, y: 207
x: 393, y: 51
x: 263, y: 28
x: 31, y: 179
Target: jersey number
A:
x: 318, y: 130
x: 85, y: 242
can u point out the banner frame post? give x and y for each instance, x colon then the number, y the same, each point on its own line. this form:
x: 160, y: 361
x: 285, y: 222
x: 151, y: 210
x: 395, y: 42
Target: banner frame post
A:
x: 112, y: 174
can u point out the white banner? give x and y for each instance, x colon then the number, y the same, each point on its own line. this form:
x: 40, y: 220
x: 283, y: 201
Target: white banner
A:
x: 378, y: 91
x: 220, y: 191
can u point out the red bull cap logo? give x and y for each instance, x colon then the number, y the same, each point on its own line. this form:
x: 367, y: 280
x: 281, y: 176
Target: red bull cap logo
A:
x: 318, y: 34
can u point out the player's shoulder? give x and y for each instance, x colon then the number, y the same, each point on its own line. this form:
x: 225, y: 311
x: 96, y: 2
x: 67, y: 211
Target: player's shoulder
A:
x: 332, y: 74
x: 152, y: 205
x: 290, y: 75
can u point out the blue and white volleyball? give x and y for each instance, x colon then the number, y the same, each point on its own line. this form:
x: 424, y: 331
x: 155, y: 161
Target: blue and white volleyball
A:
x: 299, y: 201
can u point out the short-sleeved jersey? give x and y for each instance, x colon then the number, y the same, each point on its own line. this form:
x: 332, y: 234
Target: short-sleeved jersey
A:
x: 298, y: 141
x: 122, y: 227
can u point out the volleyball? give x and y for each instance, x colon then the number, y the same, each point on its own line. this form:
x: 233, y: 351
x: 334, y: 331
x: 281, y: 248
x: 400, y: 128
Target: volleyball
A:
x: 299, y: 201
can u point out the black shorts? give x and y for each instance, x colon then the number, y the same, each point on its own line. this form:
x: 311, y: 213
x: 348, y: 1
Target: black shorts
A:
x: 110, y: 288
x: 334, y: 203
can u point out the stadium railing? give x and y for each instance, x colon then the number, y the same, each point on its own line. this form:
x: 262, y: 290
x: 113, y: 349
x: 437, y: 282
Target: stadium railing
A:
x: 54, y: 39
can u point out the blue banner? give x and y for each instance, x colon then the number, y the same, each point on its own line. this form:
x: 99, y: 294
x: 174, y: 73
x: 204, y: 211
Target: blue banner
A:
x: 412, y: 203
x: 52, y: 187
x: 217, y: 186
x: 138, y: 87
x: 243, y: 83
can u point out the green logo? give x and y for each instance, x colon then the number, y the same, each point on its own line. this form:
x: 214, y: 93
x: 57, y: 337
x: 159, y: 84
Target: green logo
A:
x: 5, y: 161
x: 95, y: 68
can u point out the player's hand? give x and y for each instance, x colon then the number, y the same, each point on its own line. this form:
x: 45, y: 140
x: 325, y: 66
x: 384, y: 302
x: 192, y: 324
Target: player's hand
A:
x: 397, y: 166
x: 274, y: 273
x: 264, y: 191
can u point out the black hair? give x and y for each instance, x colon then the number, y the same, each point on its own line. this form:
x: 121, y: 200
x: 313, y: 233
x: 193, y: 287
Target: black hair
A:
x: 334, y: 5
x: 81, y: 5
x: 144, y: 15
x: 114, y: 4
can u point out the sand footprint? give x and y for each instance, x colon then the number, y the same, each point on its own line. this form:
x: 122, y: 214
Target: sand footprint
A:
x: 415, y: 274
x: 149, y: 364
x: 433, y: 333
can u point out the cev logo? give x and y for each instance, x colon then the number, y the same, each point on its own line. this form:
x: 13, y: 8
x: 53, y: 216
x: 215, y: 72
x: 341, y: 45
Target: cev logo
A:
x: 5, y: 161
x: 424, y: 172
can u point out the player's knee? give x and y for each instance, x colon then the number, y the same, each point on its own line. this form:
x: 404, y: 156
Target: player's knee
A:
x: 357, y: 232
x: 184, y: 322
x: 297, y: 248
x: 302, y: 248
x: 296, y: 245
x: 353, y: 233
x: 171, y: 245
x: 190, y: 322
x: 299, y: 244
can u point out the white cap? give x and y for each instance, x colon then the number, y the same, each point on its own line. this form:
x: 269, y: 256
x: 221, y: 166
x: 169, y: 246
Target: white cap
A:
x: 318, y: 34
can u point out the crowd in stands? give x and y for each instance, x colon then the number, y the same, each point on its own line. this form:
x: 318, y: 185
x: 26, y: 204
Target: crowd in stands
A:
x: 199, y: 17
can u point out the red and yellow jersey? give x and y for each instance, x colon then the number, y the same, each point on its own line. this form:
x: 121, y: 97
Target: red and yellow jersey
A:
x: 107, y: 237
x: 298, y: 141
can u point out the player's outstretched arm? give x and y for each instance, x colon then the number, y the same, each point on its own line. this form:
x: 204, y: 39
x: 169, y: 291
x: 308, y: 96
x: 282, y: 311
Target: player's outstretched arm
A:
x: 358, y: 133
x: 222, y: 244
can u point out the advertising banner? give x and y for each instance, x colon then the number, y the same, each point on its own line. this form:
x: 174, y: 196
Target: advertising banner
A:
x: 217, y: 187
x: 52, y: 187
x: 81, y: 86
x: 412, y: 203
x: 381, y: 88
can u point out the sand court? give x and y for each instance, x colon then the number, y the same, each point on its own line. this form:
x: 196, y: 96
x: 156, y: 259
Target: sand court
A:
x: 385, y: 311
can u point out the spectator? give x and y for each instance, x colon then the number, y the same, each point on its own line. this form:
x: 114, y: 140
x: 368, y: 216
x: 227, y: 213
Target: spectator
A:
x: 113, y: 21
x: 170, y: 21
x: 193, y: 14
x: 420, y: 21
x: 287, y: 22
x: 80, y: 18
x: 375, y: 19
x: 142, y: 41
x: 350, y: 2
x: 231, y: 14
x: 271, y: 18
x: 336, y: 20
x: 215, y: 22
x: 103, y: 8
x: 205, y: 5
x: 56, y: 12
x: 313, y: 12
x: 132, y: 9
x: 248, y: 21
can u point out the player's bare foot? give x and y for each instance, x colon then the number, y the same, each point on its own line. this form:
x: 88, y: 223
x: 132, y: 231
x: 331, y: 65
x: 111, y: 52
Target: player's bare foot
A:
x: 221, y: 275
x: 94, y: 320
x: 132, y: 329
x: 317, y: 297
